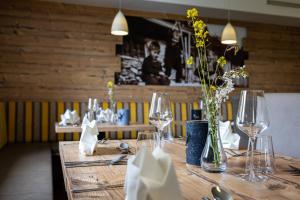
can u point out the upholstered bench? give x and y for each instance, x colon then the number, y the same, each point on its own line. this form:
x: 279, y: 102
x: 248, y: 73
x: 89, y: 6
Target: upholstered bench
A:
x: 29, y: 121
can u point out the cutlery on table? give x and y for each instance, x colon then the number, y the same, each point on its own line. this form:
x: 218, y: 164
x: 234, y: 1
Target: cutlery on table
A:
x: 97, y: 188
x: 295, y: 171
x: 120, y: 160
x: 103, y: 141
x: 220, y: 193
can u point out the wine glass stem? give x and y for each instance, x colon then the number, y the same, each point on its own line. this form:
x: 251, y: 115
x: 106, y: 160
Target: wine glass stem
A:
x: 252, y: 174
x: 159, y: 138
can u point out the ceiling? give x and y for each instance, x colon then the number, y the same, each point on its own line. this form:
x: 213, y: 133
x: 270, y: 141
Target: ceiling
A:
x: 281, y: 12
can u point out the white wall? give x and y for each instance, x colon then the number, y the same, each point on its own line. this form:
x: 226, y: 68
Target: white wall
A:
x: 284, y: 113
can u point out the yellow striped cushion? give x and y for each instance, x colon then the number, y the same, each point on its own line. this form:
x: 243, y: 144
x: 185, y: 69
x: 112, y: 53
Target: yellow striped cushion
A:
x: 3, y: 130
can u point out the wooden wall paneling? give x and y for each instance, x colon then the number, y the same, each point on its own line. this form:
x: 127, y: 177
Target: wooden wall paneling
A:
x: 140, y: 113
x: 104, y: 107
x: 133, y: 118
x: 146, y: 108
x: 68, y: 136
x: 20, y: 122
x: 229, y: 111
x: 60, y: 111
x: 45, y: 121
x: 174, y: 119
x: 37, y: 116
x: 76, y: 107
x: 224, y: 115
x: 28, y: 121
x: 177, y: 119
x: 53, y: 119
x: 83, y: 109
x: 183, y: 118
x: 189, y: 111
x: 11, y: 121
x: 67, y: 51
x: 120, y: 133
x: 195, y: 105
x: 126, y: 134
x: 3, y: 127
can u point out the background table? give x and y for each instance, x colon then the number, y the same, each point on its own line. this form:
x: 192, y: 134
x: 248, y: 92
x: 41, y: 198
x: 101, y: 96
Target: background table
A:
x: 194, y: 182
x: 103, y: 127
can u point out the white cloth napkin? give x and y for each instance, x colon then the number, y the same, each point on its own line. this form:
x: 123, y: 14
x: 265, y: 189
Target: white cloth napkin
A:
x: 69, y: 117
x: 88, y: 139
x: 229, y: 139
x: 151, y: 176
x: 104, y: 115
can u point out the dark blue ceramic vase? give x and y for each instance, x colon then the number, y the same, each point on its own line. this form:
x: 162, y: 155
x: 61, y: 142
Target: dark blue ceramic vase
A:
x: 196, y: 134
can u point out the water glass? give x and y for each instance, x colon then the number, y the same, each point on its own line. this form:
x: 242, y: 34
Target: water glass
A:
x: 252, y: 119
x: 264, y: 157
x: 264, y: 147
x: 146, y: 139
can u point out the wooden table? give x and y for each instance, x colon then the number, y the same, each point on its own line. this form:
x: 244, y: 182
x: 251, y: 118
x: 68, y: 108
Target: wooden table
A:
x: 103, y: 127
x: 194, y: 182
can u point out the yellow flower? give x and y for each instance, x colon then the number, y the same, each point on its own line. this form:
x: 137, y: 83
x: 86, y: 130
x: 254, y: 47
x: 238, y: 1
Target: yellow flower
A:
x: 213, y: 88
x: 110, y: 84
x: 199, y: 25
x: 189, y: 61
x: 221, y: 61
x: 205, y: 34
x: 192, y: 13
x: 200, y: 43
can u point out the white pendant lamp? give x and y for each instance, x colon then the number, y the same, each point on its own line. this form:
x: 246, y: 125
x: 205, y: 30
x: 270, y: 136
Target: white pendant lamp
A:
x: 119, y: 25
x: 228, y: 35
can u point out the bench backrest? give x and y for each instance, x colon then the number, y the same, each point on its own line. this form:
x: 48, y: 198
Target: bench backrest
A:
x: 28, y: 121
x: 3, y: 130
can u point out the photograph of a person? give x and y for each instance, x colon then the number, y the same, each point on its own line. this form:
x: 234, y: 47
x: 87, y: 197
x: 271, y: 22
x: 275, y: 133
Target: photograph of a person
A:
x: 158, y: 57
x: 152, y: 70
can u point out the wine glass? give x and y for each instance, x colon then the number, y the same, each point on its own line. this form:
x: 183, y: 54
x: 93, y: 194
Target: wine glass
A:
x: 252, y: 119
x: 145, y: 140
x: 160, y: 114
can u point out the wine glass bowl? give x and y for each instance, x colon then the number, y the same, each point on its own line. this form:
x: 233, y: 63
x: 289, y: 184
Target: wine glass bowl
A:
x: 252, y: 119
x: 160, y: 114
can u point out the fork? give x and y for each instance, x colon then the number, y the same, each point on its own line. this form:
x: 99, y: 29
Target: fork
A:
x: 97, y: 188
x: 294, y: 170
x: 121, y: 160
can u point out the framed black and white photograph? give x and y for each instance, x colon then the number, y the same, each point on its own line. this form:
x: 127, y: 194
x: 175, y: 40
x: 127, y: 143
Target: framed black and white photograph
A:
x: 155, y: 53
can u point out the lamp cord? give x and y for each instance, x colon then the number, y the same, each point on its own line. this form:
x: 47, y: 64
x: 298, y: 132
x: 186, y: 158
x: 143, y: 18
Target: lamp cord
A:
x: 228, y: 11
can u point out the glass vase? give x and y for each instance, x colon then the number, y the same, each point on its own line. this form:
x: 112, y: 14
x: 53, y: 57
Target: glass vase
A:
x: 213, y: 158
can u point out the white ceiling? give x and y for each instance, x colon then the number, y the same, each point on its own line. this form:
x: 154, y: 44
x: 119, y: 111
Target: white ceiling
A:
x: 282, y: 12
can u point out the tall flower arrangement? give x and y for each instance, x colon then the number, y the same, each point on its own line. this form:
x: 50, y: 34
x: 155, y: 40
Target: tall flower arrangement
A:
x: 111, y: 96
x: 215, y: 90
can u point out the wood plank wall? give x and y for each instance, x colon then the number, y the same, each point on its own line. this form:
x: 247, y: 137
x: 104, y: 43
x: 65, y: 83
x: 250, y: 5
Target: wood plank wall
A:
x: 53, y: 51
x: 274, y: 53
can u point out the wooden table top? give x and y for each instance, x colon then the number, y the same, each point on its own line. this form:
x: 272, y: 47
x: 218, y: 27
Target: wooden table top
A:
x: 194, y: 182
x: 103, y: 127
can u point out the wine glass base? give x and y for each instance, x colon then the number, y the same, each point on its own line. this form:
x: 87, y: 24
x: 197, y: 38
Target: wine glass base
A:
x: 254, y: 177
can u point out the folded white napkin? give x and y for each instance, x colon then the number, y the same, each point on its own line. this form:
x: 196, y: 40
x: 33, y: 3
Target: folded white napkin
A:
x: 151, y: 176
x: 69, y: 117
x: 88, y: 139
x: 229, y: 139
x: 104, y: 115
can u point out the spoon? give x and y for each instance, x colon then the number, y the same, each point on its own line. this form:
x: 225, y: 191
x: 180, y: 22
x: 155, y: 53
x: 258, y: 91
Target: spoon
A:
x: 118, y: 159
x: 124, y: 147
x: 220, y: 194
